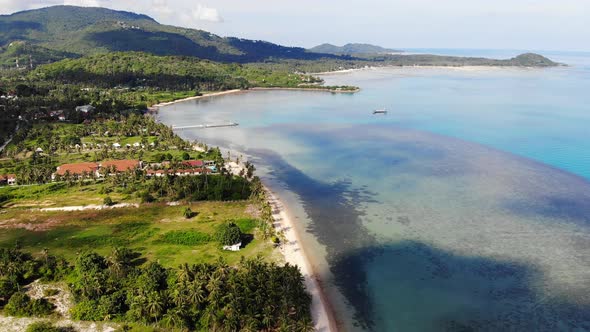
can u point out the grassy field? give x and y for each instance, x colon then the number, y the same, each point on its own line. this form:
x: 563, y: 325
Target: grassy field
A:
x: 150, y: 229
x: 57, y: 194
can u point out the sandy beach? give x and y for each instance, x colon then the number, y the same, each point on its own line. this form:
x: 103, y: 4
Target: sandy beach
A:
x: 207, y: 95
x: 294, y: 253
x: 228, y: 92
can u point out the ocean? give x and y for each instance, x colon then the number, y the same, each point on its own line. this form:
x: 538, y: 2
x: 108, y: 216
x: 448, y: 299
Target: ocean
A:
x: 465, y: 208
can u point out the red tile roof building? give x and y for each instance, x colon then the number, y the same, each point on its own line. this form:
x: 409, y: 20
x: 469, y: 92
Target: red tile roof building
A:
x: 121, y: 165
x: 193, y: 163
x: 77, y: 169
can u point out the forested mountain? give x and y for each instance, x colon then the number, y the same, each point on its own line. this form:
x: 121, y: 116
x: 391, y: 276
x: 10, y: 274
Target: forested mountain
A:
x: 352, y: 49
x: 85, y: 31
x: 54, y: 33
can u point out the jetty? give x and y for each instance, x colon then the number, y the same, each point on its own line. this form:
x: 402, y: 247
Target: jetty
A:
x: 379, y: 112
x: 204, y: 126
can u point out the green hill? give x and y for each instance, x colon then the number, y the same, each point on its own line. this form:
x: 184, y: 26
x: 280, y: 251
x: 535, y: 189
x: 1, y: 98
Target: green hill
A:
x: 165, y: 72
x: 54, y: 33
x: 352, y: 49
x: 87, y: 31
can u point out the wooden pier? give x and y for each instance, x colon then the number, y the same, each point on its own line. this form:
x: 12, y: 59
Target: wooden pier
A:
x: 205, y: 126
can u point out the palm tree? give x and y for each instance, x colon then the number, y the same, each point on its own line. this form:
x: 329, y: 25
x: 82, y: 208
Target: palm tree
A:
x: 155, y: 305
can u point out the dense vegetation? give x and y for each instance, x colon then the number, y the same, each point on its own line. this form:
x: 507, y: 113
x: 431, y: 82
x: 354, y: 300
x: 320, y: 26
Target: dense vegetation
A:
x: 400, y: 60
x: 84, y: 31
x: 134, y: 69
x: 253, y: 295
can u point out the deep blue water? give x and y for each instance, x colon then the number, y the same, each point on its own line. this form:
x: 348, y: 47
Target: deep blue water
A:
x: 466, y: 208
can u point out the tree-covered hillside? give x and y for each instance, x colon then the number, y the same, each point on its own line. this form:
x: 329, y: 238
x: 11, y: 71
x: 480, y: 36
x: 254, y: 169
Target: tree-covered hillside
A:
x: 28, y: 54
x: 134, y: 69
x: 87, y: 31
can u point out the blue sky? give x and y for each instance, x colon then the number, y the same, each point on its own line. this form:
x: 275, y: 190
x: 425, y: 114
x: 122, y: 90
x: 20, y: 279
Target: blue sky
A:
x: 498, y: 24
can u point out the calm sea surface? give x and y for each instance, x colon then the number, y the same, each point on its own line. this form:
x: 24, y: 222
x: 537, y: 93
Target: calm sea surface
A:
x: 465, y: 208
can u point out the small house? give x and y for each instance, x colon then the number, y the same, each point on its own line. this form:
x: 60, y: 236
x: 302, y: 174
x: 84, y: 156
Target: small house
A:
x: 136, y: 145
x: 233, y: 247
x: 39, y: 150
x: 11, y: 179
x: 116, y: 145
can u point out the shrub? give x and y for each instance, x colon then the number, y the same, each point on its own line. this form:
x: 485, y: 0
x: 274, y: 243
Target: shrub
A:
x: 18, y: 305
x: 188, y: 213
x: 21, y: 305
x: 43, y: 327
x: 108, y: 201
x: 48, y: 327
x: 228, y: 234
x: 146, y: 197
x: 7, y: 288
x: 185, y: 156
x: 87, y: 310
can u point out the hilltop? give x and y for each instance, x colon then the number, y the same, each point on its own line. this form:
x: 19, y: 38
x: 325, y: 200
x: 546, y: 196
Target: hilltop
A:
x: 352, y: 49
x: 80, y: 31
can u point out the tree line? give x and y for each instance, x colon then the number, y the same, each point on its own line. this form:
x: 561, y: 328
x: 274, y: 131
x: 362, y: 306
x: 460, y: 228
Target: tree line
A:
x: 123, y: 287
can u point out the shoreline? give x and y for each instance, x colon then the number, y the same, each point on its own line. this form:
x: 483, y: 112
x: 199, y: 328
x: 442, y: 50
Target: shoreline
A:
x: 304, y: 89
x: 236, y: 91
x: 321, y: 310
x: 212, y: 94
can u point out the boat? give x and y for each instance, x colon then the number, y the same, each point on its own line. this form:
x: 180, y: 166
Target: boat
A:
x: 379, y: 112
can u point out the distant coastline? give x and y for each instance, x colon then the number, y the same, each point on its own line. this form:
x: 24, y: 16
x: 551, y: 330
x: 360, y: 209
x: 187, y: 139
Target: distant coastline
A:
x: 453, y: 67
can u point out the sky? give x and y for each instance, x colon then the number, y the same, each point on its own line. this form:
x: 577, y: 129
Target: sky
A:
x: 478, y: 24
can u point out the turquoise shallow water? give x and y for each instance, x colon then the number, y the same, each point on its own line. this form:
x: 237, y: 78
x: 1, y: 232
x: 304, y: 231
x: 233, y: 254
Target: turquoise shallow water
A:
x: 466, y: 208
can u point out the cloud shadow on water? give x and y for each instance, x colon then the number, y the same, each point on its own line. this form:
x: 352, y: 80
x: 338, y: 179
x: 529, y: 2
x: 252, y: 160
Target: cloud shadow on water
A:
x: 416, y: 287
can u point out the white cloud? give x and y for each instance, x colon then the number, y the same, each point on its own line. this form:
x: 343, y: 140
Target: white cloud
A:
x: 161, y: 7
x: 204, y: 13
x: 84, y: 3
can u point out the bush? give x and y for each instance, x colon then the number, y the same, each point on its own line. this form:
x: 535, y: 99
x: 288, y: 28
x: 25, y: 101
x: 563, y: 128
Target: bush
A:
x: 185, y: 156
x: 42, y: 327
x: 188, y: 213
x: 21, y: 305
x: 87, y: 310
x: 146, y: 197
x: 7, y: 288
x: 228, y: 234
x: 108, y: 201
x: 48, y: 327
